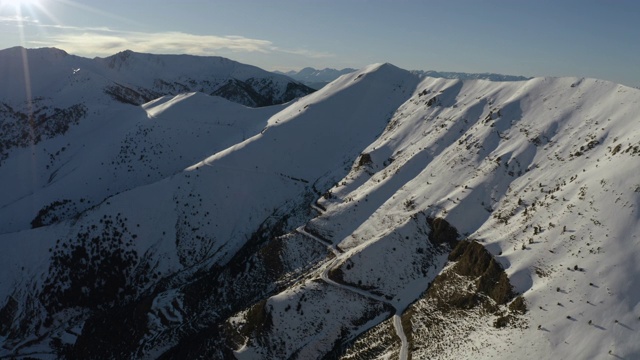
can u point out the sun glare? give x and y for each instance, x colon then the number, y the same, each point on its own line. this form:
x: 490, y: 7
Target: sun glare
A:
x: 19, y: 2
x: 25, y: 11
x: 19, y: 5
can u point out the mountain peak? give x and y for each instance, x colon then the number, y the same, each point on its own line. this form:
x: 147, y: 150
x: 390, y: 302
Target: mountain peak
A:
x: 122, y: 58
x: 386, y: 65
x: 385, y: 69
x: 43, y: 52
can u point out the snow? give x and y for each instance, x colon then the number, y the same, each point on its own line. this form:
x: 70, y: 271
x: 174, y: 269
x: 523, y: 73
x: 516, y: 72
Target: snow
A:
x: 138, y: 146
x: 528, y: 168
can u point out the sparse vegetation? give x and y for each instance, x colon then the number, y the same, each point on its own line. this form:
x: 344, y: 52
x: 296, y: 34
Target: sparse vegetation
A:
x: 95, y: 269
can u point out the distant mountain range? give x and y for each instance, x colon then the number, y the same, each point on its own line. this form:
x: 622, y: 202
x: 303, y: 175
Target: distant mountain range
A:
x: 63, y: 87
x: 136, y: 78
x: 318, y: 78
x: 387, y: 215
x: 469, y: 76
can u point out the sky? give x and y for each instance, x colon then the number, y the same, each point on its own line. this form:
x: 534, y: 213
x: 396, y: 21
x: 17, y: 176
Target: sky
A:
x: 584, y: 38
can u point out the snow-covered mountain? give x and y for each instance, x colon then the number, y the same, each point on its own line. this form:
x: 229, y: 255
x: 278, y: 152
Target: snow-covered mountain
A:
x: 63, y: 87
x: 137, y: 78
x: 383, y: 216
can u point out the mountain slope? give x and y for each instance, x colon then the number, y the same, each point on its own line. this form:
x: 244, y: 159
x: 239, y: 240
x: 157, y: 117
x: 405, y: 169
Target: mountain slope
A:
x: 383, y: 216
x: 123, y: 148
x: 530, y: 169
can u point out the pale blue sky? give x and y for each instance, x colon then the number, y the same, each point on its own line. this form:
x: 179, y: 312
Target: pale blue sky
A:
x: 588, y: 38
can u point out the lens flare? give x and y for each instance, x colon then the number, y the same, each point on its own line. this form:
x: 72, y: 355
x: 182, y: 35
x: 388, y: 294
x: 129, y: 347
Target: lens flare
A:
x: 17, y: 4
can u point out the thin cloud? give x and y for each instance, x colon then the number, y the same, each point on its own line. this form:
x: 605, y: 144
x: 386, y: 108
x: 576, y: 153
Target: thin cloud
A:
x: 105, y: 42
x: 77, y: 29
x: 18, y: 19
x: 308, y: 53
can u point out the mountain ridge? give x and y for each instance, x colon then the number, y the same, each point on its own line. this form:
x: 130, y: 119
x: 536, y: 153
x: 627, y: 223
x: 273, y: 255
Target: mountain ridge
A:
x: 136, y: 78
x: 61, y: 87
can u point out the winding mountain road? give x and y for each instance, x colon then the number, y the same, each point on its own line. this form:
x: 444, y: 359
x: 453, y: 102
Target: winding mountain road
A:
x: 317, y: 208
x: 404, y: 347
x: 397, y: 320
x: 325, y: 242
